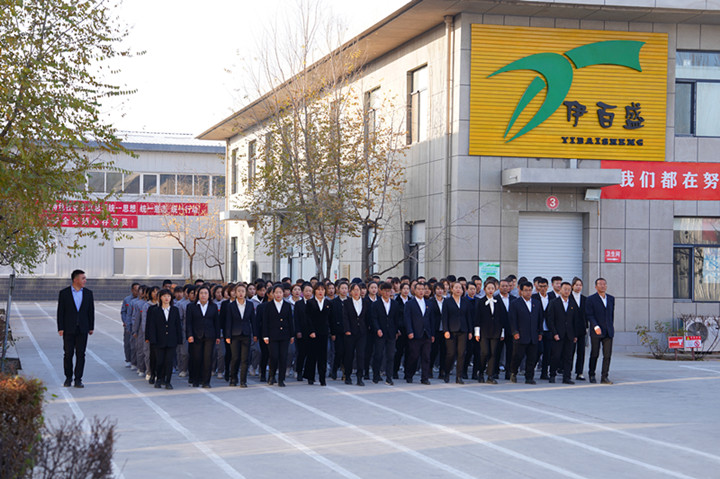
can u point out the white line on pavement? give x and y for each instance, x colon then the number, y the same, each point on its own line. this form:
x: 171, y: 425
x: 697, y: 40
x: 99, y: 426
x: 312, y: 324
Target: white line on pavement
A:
x: 194, y: 440
x: 284, y: 437
x: 595, y: 425
x: 63, y: 391
x: 702, y: 369
x: 554, y: 436
x: 393, y: 444
x: 468, y: 437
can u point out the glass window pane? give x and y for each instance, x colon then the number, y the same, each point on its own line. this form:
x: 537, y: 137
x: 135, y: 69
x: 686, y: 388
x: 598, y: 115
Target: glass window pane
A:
x: 707, y: 274
x: 683, y: 109
x: 184, y: 185
x: 132, y: 183
x: 114, y: 182
x: 420, y: 79
x: 96, y: 181
x: 696, y: 231
x: 202, y: 185
x: 697, y: 65
x: 177, y: 261
x: 160, y: 261
x: 707, y: 116
x: 681, y: 273
x: 218, y: 185
x: 135, y: 262
x: 149, y: 184
x: 118, y: 260
x: 167, y: 184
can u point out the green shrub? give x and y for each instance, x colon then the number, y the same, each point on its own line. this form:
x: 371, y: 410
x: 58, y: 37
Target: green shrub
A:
x: 21, y: 422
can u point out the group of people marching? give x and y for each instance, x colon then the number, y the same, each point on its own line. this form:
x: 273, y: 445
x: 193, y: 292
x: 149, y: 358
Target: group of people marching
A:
x: 320, y: 329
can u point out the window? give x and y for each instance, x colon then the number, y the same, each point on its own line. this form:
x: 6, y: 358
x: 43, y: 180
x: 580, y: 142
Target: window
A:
x: 415, y: 265
x: 167, y: 184
x: 251, y: 163
x: 233, y: 258
x: 218, y: 185
x: 418, y: 105
x: 696, y: 257
x: 233, y: 172
x: 202, y: 185
x: 149, y: 182
x: 697, y: 91
x: 185, y: 185
x: 147, y: 254
x: 132, y: 183
x: 113, y: 182
x: 96, y: 182
x: 372, y: 103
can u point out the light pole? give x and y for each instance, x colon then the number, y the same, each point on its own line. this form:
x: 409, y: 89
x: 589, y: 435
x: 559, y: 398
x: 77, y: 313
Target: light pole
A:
x: 7, y: 321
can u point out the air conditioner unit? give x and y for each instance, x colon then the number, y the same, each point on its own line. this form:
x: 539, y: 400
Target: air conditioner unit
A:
x: 707, y: 329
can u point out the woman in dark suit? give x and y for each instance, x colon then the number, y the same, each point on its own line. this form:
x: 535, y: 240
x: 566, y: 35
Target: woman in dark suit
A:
x: 317, y: 323
x: 239, y: 316
x: 356, y: 321
x: 277, y: 332
x: 578, y: 299
x: 456, y: 319
x: 165, y: 333
x: 488, y: 327
x: 203, y: 332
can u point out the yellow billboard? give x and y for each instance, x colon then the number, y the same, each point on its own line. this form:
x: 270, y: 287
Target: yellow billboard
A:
x: 568, y: 93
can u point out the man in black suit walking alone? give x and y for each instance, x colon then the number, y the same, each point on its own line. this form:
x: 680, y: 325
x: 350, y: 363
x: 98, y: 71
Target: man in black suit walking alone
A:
x: 75, y: 320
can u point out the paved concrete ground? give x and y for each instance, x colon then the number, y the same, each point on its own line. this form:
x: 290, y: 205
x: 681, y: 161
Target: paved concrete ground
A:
x: 660, y: 419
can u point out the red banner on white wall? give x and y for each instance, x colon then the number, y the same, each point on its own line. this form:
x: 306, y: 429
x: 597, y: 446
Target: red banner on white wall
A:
x: 134, y: 208
x: 645, y: 180
x: 90, y: 221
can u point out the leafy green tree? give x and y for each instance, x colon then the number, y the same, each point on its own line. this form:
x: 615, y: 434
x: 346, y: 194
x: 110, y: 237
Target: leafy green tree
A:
x: 54, y: 58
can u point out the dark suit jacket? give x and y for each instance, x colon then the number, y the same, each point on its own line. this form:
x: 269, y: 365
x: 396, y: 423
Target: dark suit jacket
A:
x: 337, y: 328
x: 562, y: 322
x: 417, y: 323
x: 435, y: 313
x: 389, y: 324
x: 528, y: 325
x: 300, y: 318
x: 164, y: 334
x: 598, y: 315
x: 277, y: 326
x: 199, y: 326
x: 456, y: 319
x: 69, y: 319
x: 317, y: 320
x: 489, y: 322
x: 236, y: 324
x: 582, y: 324
x: 257, y: 324
x: 352, y: 323
x: 502, y: 313
x: 402, y: 313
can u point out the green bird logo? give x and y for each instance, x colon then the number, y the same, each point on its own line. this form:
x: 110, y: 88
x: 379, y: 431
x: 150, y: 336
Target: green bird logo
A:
x: 556, y: 74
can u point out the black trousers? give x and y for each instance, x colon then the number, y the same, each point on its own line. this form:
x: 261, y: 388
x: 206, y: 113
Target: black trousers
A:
x: 164, y: 359
x: 278, y: 351
x: 545, y: 348
x: 437, y: 353
x: 418, y: 348
x: 488, y: 355
x: 201, y: 360
x: 506, y: 346
x: 301, y: 355
x: 369, y: 350
x: 228, y: 357
x: 527, y: 351
x: 401, y: 346
x: 339, y: 359
x: 580, y: 355
x: 239, y: 350
x: 472, y: 353
x: 562, y: 356
x: 384, y: 349
x: 264, y: 356
x: 595, y: 343
x: 316, y: 358
x: 74, y: 344
x: 355, y: 345
x: 455, y: 349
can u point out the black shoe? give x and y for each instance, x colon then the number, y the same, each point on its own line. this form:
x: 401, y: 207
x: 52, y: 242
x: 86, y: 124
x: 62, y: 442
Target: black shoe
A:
x: 396, y: 376
x: 568, y: 381
x: 233, y: 384
x: 227, y: 378
x: 196, y: 385
x: 481, y: 378
x: 408, y: 380
x: 425, y: 382
x: 530, y: 381
x: 299, y: 378
x: 158, y: 385
x: 491, y: 381
x: 271, y: 381
x: 459, y: 381
x: 206, y: 386
x: 376, y: 380
x: 67, y: 383
x: 348, y: 381
x: 446, y: 378
x: 263, y: 378
x: 169, y: 386
x: 389, y: 382
x: 579, y: 377
x: 592, y: 379
x: 79, y: 384
x: 430, y: 376
x: 544, y: 376
x: 464, y: 375
x: 513, y: 378
x: 243, y: 385
x: 333, y: 375
x: 323, y: 383
x: 367, y: 377
x: 551, y: 380
x: 310, y: 382
x: 360, y: 382
x: 281, y: 384
x: 474, y: 376
x: 151, y: 380
x: 507, y: 377
x: 605, y: 381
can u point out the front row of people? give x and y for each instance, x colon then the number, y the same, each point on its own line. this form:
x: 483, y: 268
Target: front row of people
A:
x: 355, y: 321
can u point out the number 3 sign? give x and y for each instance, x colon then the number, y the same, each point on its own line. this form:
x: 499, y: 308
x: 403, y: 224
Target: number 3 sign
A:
x: 552, y: 202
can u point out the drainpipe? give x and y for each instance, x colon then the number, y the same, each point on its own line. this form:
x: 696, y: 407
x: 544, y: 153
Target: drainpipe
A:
x: 449, y: 35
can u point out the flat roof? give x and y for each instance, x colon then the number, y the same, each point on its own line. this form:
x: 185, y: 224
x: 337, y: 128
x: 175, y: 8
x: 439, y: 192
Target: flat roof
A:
x: 168, y: 142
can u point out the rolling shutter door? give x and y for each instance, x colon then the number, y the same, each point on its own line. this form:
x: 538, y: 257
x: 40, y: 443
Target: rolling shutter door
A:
x: 550, y: 245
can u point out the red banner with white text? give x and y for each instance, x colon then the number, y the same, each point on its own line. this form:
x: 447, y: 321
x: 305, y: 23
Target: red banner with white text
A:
x: 133, y: 208
x: 643, y: 180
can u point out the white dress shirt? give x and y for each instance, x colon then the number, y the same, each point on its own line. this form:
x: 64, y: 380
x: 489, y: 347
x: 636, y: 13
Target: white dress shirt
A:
x: 357, y: 303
